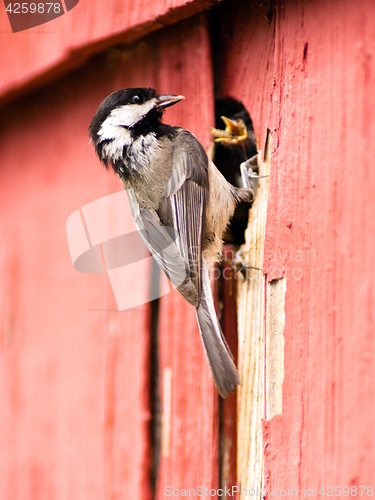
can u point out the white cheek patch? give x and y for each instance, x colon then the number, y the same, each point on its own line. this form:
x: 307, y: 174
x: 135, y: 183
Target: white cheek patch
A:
x: 114, y: 149
x: 120, y: 137
x: 116, y: 127
x: 125, y: 116
x: 111, y: 130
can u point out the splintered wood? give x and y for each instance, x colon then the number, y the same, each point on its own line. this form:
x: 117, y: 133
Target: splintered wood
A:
x: 251, y: 325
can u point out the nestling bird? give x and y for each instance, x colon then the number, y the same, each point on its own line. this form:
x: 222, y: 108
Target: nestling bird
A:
x: 180, y: 202
x: 231, y: 147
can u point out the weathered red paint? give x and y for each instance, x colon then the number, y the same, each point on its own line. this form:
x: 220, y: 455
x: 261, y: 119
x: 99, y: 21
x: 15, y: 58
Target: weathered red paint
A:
x: 72, y: 372
x: 75, y: 372
x: 50, y: 50
x: 312, y: 85
x: 321, y: 236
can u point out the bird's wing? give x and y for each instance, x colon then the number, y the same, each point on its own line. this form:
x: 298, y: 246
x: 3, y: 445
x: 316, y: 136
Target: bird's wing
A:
x: 174, y: 233
x: 161, y: 241
x: 183, y: 205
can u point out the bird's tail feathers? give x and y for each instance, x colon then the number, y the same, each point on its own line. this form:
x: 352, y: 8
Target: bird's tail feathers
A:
x: 219, y: 357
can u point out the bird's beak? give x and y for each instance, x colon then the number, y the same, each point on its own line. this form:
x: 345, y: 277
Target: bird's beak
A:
x: 164, y: 101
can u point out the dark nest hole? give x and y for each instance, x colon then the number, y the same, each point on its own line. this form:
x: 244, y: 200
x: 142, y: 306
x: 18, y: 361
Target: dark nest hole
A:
x: 228, y: 159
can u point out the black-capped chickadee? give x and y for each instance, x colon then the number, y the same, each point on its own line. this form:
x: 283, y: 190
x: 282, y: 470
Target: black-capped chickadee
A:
x: 180, y: 202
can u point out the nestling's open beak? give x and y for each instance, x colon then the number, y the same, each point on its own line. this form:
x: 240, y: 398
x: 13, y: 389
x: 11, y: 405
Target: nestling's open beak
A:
x: 165, y: 101
x: 234, y: 133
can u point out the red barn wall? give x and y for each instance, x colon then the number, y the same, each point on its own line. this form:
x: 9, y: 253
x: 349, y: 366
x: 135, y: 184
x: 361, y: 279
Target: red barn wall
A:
x: 75, y: 373
x: 70, y: 40
x: 310, y: 82
x: 321, y: 235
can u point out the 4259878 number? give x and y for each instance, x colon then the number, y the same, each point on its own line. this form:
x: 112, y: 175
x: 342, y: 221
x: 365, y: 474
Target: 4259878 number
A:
x: 41, y: 8
x: 345, y: 491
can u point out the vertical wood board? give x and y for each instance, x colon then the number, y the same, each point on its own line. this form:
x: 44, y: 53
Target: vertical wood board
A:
x: 320, y: 236
x: 243, y: 70
x: 189, y: 401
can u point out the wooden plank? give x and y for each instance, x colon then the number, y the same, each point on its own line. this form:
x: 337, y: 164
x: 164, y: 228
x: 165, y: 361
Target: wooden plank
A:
x: 33, y: 57
x: 243, y: 70
x: 74, y: 422
x: 320, y: 236
x: 251, y: 314
x: 228, y: 408
x: 53, y: 333
x: 189, y: 455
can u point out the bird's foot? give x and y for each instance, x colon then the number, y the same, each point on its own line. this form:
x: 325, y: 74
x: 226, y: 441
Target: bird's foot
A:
x: 235, y: 131
x: 239, y: 263
x: 247, y: 173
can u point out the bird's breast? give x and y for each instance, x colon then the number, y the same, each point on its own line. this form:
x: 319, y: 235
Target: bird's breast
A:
x: 143, y: 154
x: 149, y: 163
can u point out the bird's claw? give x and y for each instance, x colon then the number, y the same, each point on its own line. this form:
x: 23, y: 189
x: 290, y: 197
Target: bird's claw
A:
x: 247, y: 173
x: 239, y: 263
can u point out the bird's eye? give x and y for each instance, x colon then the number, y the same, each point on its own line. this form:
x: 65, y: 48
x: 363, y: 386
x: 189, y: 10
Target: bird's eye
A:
x: 137, y: 99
